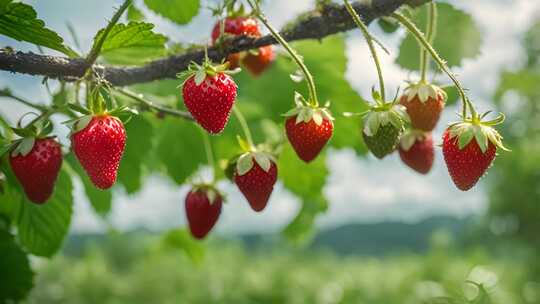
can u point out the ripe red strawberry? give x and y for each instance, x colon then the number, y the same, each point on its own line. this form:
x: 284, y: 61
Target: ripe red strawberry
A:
x: 424, y: 103
x: 236, y: 26
x: 209, y: 95
x: 99, y: 147
x: 257, y: 63
x: 308, y: 138
x: 203, y: 207
x: 468, y: 164
x: 416, y: 151
x: 255, y: 176
x: 37, y: 171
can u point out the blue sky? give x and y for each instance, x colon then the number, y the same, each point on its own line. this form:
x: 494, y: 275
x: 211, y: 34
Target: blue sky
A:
x: 358, y: 189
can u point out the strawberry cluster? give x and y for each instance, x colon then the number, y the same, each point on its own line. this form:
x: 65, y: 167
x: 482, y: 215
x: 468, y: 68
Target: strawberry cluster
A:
x: 236, y: 24
x: 98, y: 141
x: 98, y: 137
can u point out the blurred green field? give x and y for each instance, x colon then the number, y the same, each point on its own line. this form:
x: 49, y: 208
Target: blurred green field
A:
x: 147, y: 269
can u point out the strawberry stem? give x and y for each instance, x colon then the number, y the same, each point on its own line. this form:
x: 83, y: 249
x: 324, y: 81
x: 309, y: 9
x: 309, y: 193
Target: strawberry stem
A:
x: 96, y: 49
x: 431, y: 31
x: 369, y: 39
x: 313, y: 100
x: 209, y: 154
x: 244, y: 125
x: 411, y: 28
x: 146, y: 103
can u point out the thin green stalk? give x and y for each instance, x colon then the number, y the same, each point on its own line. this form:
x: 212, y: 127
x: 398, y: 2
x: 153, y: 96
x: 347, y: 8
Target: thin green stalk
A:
x: 363, y: 28
x: 409, y: 25
x: 431, y: 31
x: 244, y: 125
x: 152, y: 105
x: 209, y: 153
x: 313, y: 99
x: 96, y: 49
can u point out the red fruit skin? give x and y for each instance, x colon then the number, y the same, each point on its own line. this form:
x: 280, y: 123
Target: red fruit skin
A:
x: 257, y: 64
x: 466, y: 166
x: 236, y: 26
x: 38, y: 170
x: 99, y: 148
x: 234, y: 61
x: 308, y: 139
x: 420, y: 156
x: 201, y: 214
x: 211, y: 102
x: 424, y: 115
x: 257, y: 185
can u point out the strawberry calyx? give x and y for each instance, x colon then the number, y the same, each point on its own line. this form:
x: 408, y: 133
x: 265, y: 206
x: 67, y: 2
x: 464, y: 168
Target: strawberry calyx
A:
x: 122, y: 113
x: 210, y: 190
x: 410, y: 137
x: 101, y: 102
x: 424, y: 90
x: 383, y: 114
x: 39, y: 128
x: 306, y: 111
x: 206, y: 69
x: 477, y: 128
x: 250, y: 155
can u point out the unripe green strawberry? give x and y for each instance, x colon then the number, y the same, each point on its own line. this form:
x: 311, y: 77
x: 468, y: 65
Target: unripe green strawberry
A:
x: 384, y: 142
x: 383, y: 126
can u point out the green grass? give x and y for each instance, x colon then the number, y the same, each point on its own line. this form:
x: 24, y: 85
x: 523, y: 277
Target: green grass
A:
x: 148, y: 272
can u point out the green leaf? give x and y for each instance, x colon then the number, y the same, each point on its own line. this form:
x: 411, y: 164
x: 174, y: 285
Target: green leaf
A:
x: 306, y: 181
x: 139, y: 144
x: 134, y: 14
x: 19, y: 21
x: 180, y: 148
x: 132, y: 43
x: 15, y: 268
x: 181, y: 239
x: 101, y: 200
x: 524, y: 82
x: 179, y: 11
x: 42, y: 228
x: 457, y: 38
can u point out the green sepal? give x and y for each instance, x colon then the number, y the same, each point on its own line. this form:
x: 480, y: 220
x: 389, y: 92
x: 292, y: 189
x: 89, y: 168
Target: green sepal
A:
x: 23, y: 147
x: 79, y: 109
x: 201, y: 71
x: 245, y: 161
x: 410, y: 137
x: 210, y: 191
x: 481, y: 132
x: 424, y: 91
x: 382, y: 115
x: 305, y: 112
